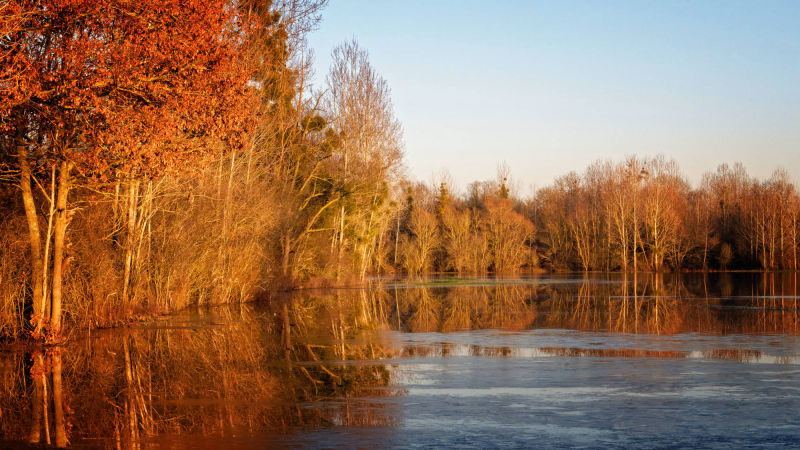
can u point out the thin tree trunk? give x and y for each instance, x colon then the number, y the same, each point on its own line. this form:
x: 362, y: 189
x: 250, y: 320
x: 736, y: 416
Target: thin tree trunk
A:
x: 229, y: 196
x: 635, y: 236
x: 115, y: 224
x: 780, y: 227
x: 794, y: 242
x: 126, y: 278
x: 34, y: 235
x: 396, y: 239
x: 143, y: 220
x: 705, y: 246
x: 341, y: 229
x: 58, y: 246
x: 339, y: 248
x: 37, y: 400
x: 45, y: 404
x: 58, y: 403
x: 46, y: 259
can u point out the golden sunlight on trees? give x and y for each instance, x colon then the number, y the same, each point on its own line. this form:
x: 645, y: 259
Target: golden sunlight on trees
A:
x: 367, y: 157
x: 419, y: 246
x: 178, y: 153
x: 643, y: 215
x: 79, y: 105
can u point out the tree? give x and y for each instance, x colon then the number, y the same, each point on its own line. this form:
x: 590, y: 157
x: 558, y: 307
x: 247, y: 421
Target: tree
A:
x: 508, y: 235
x: 664, y: 194
x: 419, y: 247
x: 101, y: 88
x: 728, y: 189
x: 360, y: 111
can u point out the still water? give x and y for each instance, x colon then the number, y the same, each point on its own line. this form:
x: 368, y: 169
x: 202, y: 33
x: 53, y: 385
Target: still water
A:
x: 552, y: 361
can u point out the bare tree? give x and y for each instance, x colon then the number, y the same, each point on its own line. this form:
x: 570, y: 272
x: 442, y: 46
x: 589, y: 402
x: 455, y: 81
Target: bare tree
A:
x: 359, y: 107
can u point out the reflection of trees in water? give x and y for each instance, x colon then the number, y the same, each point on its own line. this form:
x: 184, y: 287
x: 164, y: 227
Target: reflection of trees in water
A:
x: 229, y: 374
x: 332, y: 360
x: 33, y: 383
x: 44, y: 400
x: 740, y: 355
x: 659, y: 304
x: 313, y: 359
x: 634, y: 303
x: 13, y: 383
x: 464, y: 308
x: 188, y: 379
x: 460, y: 310
x: 508, y: 309
x: 425, y: 310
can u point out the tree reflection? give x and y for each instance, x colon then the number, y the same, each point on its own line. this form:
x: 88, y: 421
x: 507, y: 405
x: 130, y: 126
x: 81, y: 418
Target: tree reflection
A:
x: 47, y: 395
x: 230, y: 375
x: 638, y: 303
x: 315, y: 358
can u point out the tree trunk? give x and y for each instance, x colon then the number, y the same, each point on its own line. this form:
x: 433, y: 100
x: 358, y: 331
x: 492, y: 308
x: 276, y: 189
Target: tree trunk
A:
x: 58, y: 246
x: 58, y: 403
x: 396, y: 240
x: 705, y: 244
x: 48, y: 235
x: 37, y: 401
x: 794, y: 242
x: 782, y: 260
x: 635, y: 236
x: 339, y: 248
x: 115, y: 226
x: 144, y: 214
x: 126, y: 278
x: 33, y: 234
x: 286, y: 254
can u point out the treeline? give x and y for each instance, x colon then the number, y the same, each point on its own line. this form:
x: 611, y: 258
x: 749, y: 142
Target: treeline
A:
x: 640, y: 214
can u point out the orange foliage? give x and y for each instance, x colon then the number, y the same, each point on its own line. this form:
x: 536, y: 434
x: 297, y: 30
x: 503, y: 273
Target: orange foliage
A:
x: 115, y: 85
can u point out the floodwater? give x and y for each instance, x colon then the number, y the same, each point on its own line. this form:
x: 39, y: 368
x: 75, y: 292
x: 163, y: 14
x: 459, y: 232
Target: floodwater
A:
x: 552, y: 361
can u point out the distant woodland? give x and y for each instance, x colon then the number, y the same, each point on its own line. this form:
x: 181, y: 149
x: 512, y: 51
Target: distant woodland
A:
x: 156, y: 155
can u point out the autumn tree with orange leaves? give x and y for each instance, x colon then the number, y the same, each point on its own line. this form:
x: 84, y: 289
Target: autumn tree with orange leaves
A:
x: 93, y: 91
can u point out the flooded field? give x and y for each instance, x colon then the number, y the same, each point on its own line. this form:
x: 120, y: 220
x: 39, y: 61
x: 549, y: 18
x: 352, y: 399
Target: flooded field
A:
x: 550, y: 361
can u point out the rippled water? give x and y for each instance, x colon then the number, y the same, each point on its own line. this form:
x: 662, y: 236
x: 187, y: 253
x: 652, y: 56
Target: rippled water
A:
x: 603, y: 361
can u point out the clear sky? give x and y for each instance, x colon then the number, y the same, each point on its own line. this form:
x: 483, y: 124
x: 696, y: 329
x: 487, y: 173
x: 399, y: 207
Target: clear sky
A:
x: 551, y: 86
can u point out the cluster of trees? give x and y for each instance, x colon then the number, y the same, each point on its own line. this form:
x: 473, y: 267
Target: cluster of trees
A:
x: 160, y: 154
x: 110, y: 91
x: 479, y: 233
x: 163, y: 154
x: 642, y: 214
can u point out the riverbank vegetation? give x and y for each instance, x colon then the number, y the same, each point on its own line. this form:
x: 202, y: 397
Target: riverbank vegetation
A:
x: 161, y: 155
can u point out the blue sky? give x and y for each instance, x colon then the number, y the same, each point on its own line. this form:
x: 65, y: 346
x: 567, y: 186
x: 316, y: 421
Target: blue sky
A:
x: 549, y: 87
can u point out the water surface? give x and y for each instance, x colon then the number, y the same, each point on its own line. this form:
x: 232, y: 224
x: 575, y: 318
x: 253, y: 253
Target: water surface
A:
x: 554, y: 361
